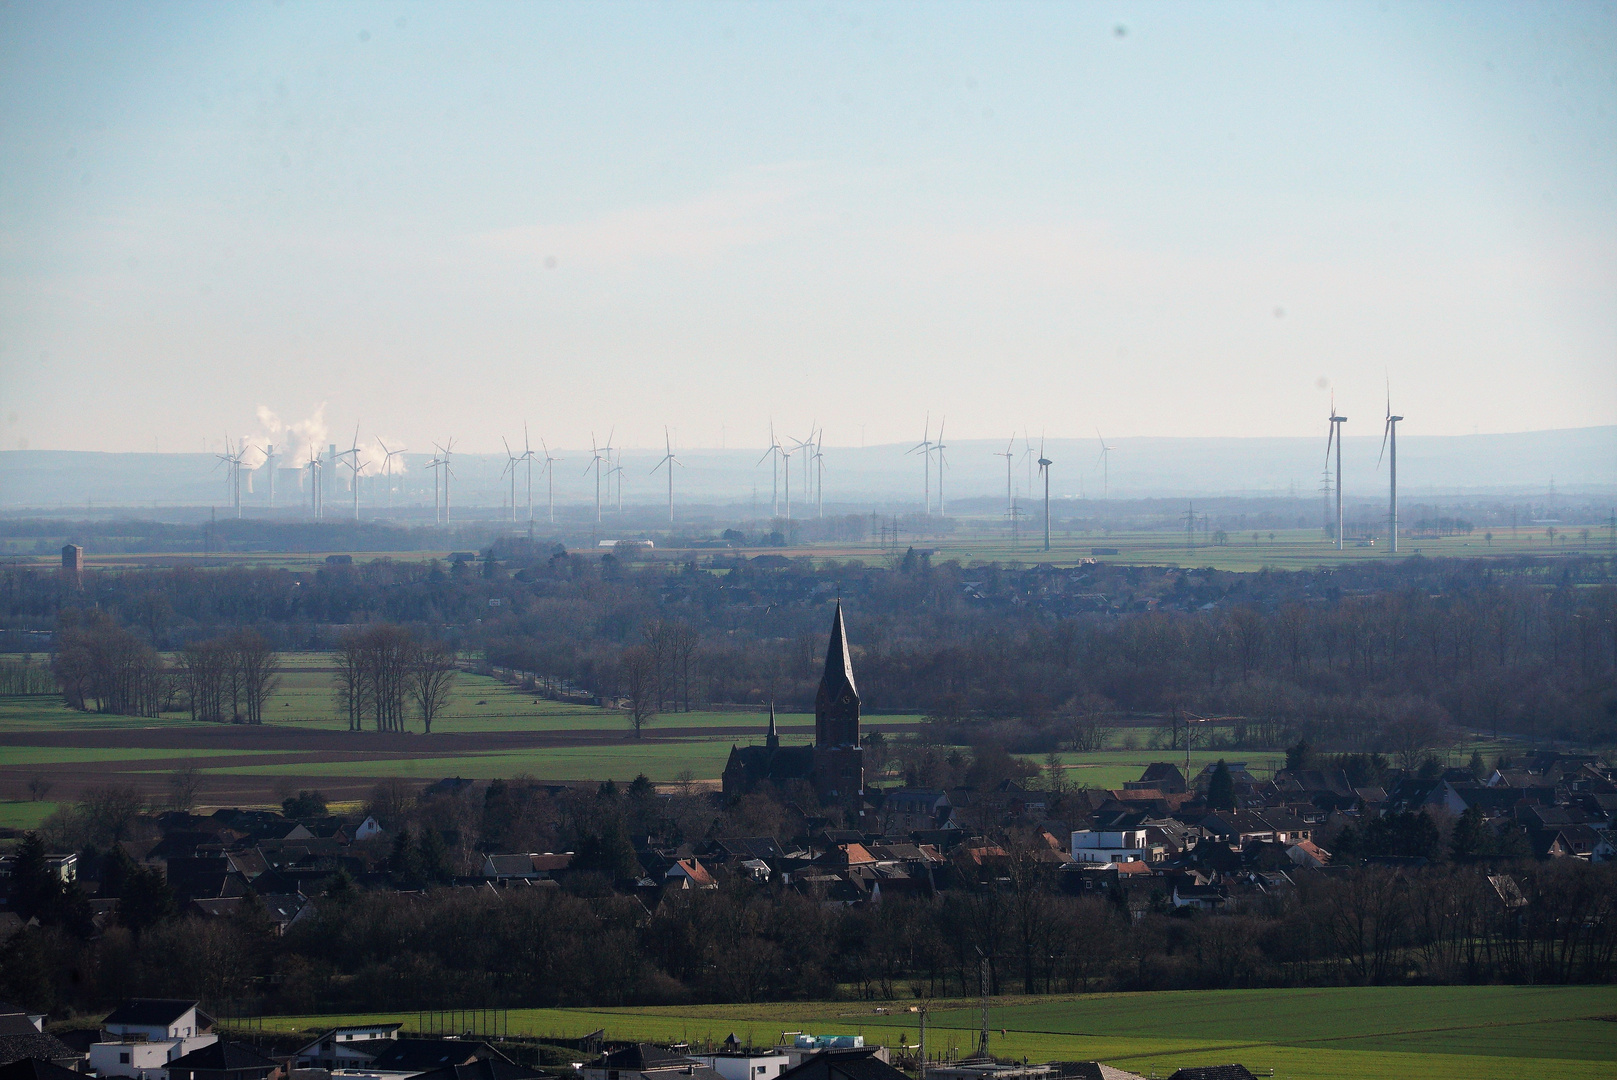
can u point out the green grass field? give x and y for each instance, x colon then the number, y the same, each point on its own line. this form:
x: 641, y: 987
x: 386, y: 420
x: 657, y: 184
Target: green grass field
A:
x: 1396, y: 1033
x: 554, y: 741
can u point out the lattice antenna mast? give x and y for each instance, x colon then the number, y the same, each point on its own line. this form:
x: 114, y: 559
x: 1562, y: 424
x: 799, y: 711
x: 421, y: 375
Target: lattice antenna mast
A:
x: 982, y: 1038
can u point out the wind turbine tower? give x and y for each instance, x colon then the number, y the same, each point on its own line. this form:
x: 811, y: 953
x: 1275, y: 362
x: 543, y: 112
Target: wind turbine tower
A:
x: 595, y: 464
x: 448, y: 471
x: 819, y: 475
x: 924, y: 448
x: 1389, y: 440
x: 1008, y: 453
x: 527, y: 456
x: 1044, y: 467
x: 1335, y: 436
x: 511, y: 467
x: 232, y: 463
x: 387, y: 468
x: 669, y: 460
x: 939, y: 448
x: 314, y: 467
x: 437, y: 512
x: 774, y: 471
x: 550, y: 470
x: 1105, y: 464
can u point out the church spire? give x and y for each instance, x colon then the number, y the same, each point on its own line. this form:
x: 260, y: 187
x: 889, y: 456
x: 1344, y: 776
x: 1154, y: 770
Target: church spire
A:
x: 838, y: 664
x: 836, y: 705
x: 772, y: 740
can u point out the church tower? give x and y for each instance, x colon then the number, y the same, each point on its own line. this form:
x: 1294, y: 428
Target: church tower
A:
x: 838, y: 757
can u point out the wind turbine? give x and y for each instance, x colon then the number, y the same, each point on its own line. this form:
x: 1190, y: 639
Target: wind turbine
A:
x: 595, y: 463
x: 448, y: 471
x: 1389, y: 437
x: 387, y: 467
x: 1044, y: 470
x: 232, y: 463
x: 819, y: 475
x: 786, y: 472
x: 511, y: 467
x: 550, y: 470
x: 1008, y: 453
x: 670, y: 461
x: 925, y: 449
x: 527, y: 456
x: 1105, y: 463
x: 1335, y: 436
x: 314, y: 466
x: 938, y: 449
x: 615, y: 472
x: 437, y: 514
x: 352, y: 454
x: 774, y: 471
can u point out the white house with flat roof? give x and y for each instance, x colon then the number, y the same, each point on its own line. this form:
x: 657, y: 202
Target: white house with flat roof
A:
x: 141, y: 1036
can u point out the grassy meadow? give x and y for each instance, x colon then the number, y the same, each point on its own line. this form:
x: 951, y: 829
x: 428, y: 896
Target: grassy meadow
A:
x: 488, y: 730
x: 1340, y: 1033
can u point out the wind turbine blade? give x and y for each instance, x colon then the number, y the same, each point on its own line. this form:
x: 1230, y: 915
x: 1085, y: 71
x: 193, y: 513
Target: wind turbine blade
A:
x: 1386, y: 429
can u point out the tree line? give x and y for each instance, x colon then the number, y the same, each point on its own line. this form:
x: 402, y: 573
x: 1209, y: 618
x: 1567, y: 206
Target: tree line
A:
x: 381, y: 669
x: 1365, y: 657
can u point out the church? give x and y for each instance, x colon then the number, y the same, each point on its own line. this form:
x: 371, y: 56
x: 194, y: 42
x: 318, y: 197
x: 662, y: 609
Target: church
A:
x: 834, y: 765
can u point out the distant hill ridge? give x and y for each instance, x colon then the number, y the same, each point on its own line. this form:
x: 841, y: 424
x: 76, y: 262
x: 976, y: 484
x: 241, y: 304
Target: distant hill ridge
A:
x: 1574, y: 460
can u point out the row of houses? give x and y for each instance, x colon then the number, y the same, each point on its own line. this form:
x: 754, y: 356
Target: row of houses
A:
x: 165, y: 1039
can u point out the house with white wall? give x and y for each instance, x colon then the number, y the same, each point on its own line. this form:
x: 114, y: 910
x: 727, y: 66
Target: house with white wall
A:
x: 1101, y: 846
x: 141, y: 1036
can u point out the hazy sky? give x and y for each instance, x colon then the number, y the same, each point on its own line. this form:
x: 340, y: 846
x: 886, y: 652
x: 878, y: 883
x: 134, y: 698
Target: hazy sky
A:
x: 447, y: 219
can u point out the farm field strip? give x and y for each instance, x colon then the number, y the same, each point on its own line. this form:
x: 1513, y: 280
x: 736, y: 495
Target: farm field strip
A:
x: 1440, y: 1033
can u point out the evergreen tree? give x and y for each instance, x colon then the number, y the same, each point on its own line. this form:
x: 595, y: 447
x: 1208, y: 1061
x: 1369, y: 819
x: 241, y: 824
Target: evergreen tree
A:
x: 35, y: 887
x: 146, y: 901
x: 1300, y: 756
x: 1221, y: 788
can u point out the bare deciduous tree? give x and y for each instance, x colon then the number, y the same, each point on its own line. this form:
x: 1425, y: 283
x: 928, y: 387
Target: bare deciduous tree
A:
x: 640, y: 686
x: 431, y: 677
x: 184, y: 786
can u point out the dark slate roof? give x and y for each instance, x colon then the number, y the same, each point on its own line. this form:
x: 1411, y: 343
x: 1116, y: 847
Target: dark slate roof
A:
x: 149, y: 1012
x: 226, y: 1056
x: 860, y: 1064
x: 31, y: 1068
x: 761, y: 763
x: 481, y: 1069
x: 35, y: 1044
x: 641, y: 1056
x: 16, y: 1024
x: 1213, y: 1072
x: 1093, y: 1070
x: 838, y: 677
x: 423, y: 1055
